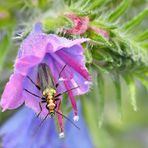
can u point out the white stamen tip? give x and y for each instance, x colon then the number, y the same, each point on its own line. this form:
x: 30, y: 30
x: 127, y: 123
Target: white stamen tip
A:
x: 61, y: 79
x: 61, y: 135
x: 87, y: 83
x: 76, y: 118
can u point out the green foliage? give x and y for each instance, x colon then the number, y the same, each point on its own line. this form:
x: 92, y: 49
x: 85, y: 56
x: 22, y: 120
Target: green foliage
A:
x: 135, y: 21
x: 119, y: 10
x: 132, y: 90
x: 4, y: 47
x: 101, y: 101
x: 116, y: 81
x: 142, y: 36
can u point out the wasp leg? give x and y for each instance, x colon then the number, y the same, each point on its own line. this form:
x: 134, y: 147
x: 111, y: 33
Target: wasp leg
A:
x: 40, y: 109
x: 47, y: 107
x: 43, y: 99
x: 34, y: 94
x: 44, y: 119
x: 57, y: 99
x: 60, y: 113
x: 55, y: 106
x: 34, y: 83
x: 31, y: 93
x: 65, y: 92
x: 57, y: 84
x: 62, y: 70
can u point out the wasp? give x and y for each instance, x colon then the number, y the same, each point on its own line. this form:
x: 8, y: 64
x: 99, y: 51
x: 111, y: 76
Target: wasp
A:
x: 48, y: 88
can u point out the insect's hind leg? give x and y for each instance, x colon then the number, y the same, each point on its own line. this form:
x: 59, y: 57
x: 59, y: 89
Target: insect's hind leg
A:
x: 40, y: 109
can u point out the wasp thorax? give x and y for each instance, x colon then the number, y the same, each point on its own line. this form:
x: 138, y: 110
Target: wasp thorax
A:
x: 51, y: 105
x: 49, y: 92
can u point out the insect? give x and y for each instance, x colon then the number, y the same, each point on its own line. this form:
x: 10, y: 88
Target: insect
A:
x: 48, y: 88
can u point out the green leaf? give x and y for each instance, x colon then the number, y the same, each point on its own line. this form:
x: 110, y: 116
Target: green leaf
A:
x: 119, y: 10
x: 144, y: 45
x: 5, y: 17
x: 99, y: 39
x: 4, y: 48
x: 42, y: 3
x: 101, y: 98
x: 99, y: 68
x: 52, y: 23
x: 116, y: 81
x: 144, y: 81
x: 95, y: 4
x: 88, y: 56
x: 132, y: 90
x: 117, y: 46
x: 84, y: 4
x: 142, y: 36
x: 135, y: 21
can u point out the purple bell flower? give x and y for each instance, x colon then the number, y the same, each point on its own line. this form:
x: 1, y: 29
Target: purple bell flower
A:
x: 56, y: 52
x: 20, y: 131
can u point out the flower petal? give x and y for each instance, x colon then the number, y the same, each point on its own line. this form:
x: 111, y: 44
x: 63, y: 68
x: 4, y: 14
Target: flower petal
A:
x: 59, y: 43
x: 23, y: 65
x: 12, y: 96
x: 35, y: 44
x: 74, y: 64
x: 26, y: 124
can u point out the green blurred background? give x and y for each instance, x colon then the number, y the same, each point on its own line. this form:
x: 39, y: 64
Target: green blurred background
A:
x: 122, y: 127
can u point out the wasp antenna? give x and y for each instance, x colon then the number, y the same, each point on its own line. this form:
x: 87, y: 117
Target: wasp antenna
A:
x: 68, y: 119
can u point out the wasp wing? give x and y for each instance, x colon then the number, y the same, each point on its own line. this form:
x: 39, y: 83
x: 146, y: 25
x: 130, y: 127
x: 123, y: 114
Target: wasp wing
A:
x: 45, y: 78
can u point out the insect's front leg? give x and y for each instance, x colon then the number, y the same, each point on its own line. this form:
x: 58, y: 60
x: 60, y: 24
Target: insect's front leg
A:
x: 34, y: 83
